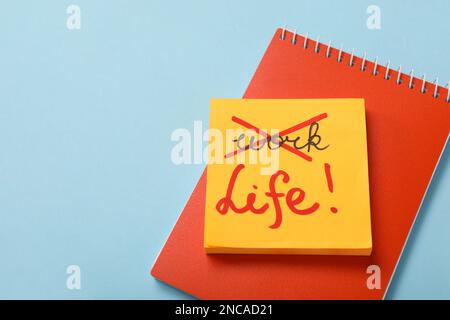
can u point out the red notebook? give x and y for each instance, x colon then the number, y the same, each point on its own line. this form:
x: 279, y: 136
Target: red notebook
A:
x: 407, y: 131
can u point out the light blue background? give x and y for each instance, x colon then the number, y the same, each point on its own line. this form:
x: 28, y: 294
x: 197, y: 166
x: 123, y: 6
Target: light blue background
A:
x: 86, y: 118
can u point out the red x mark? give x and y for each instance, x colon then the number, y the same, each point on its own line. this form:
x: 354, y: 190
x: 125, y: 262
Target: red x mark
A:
x: 281, y: 134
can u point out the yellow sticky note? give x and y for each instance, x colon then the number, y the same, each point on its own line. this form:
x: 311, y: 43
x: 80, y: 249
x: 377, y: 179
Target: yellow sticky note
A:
x: 287, y: 177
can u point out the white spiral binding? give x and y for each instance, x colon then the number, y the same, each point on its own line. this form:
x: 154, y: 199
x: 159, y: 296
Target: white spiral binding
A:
x: 399, y: 75
x: 423, y: 89
x: 375, y: 66
x: 316, y: 49
x: 350, y: 63
x: 294, y: 37
x: 448, y: 94
x: 411, y: 79
x: 436, y: 88
x: 283, y: 33
x: 328, y: 49
x: 363, y: 63
x: 339, y: 59
x: 386, y: 76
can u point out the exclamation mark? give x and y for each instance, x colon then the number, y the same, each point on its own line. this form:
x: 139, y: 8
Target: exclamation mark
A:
x: 329, y: 183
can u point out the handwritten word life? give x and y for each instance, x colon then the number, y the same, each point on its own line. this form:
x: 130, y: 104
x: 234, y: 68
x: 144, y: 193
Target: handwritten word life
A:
x: 294, y: 197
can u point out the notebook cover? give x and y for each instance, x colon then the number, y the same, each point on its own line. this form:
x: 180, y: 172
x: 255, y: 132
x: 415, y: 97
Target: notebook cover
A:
x: 407, y: 131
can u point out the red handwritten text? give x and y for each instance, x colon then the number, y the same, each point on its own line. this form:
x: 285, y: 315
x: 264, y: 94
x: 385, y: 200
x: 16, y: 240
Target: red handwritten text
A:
x: 294, y: 197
